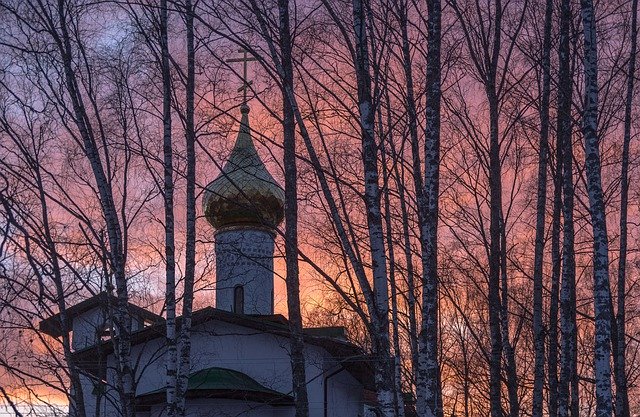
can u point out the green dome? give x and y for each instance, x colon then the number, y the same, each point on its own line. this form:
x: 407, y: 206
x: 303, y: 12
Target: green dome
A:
x: 245, y: 193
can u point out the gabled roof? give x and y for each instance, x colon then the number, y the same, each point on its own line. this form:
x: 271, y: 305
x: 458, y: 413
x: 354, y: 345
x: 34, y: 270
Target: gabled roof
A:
x: 221, y: 383
x: 52, y: 326
x: 350, y: 356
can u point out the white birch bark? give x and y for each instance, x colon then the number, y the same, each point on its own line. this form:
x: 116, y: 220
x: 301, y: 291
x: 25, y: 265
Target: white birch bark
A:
x: 428, y: 388
x: 622, y: 394
x: 567, y: 399
x: 601, y: 289
x: 380, y: 313
x: 541, y: 203
x: 169, y: 226
x: 184, y: 338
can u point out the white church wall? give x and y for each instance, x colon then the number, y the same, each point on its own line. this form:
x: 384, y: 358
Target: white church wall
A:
x: 344, y: 396
x: 110, y: 403
x: 148, y: 359
x: 88, y: 394
x: 262, y: 356
x: 218, y: 344
x: 151, y: 369
x: 86, y: 327
x: 244, y: 257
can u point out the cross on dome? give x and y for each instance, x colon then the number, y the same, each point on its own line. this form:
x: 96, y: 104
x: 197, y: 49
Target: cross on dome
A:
x: 245, y: 59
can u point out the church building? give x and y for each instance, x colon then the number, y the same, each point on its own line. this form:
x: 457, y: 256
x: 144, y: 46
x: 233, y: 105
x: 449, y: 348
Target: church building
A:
x: 240, y: 362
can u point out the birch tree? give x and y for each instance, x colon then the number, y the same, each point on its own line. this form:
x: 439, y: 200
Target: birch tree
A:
x: 184, y: 338
x: 40, y: 246
x: 291, y: 216
x: 168, y: 187
x: 402, y: 12
x: 601, y: 289
x: 483, y: 36
x: 619, y: 348
x: 541, y: 203
x: 428, y: 384
x: 568, y: 379
x: 56, y: 26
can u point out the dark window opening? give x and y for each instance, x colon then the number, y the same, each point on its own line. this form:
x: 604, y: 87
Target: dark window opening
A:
x: 105, y: 333
x: 238, y: 299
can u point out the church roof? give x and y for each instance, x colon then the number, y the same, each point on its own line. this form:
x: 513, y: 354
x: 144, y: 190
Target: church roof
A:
x: 244, y: 193
x: 222, y: 383
x: 350, y: 356
x: 52, y: 326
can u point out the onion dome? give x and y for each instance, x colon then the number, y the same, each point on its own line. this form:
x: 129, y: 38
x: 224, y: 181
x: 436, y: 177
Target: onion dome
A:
x: 245, y: 193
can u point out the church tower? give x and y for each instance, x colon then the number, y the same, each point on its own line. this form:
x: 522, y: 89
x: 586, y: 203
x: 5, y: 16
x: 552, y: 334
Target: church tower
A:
x: 244, y: 204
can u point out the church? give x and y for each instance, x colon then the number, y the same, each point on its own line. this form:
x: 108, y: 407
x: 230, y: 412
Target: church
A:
x: 240, y: 362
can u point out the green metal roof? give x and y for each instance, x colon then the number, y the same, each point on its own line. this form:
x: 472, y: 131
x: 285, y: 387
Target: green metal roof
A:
x: 225, y: 379
x: 222, y: 383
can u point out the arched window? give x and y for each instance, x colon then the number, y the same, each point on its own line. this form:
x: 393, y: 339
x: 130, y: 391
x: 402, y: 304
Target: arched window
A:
x: 238, y: 299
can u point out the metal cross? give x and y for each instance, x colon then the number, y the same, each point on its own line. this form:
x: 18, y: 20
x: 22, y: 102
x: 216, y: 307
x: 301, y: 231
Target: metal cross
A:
x: 244, y: 59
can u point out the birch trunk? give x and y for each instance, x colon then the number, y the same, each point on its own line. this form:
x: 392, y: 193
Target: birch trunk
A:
x: 563, y: 134
x: 601, y: 290
x: 509, y: 354
x: 411, y: 288
x: 397, y: 357
x: 380, y: 313
x: 555, y: 285
x: 568, y: 367
x: 495, y: 186
x: 402, y: 11
x: 169, y: 229
x: 541, y: 203
x: 622, y: 395
x: 568, y: 328
x: 428, y: 383
x: 399, y: 181
x: 291, y: 219
x: 184, y: 365
x: 486, y: 62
